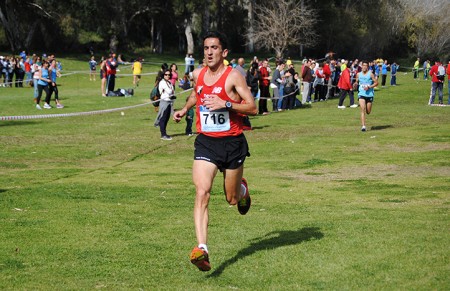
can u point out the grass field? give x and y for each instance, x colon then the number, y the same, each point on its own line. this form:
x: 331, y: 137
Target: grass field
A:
x: 100, y: 202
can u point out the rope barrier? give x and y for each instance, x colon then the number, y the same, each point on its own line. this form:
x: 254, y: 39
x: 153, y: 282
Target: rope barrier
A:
x: 24, y: 117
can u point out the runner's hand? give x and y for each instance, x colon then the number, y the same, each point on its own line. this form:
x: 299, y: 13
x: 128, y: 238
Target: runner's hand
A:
x: 178, y: 115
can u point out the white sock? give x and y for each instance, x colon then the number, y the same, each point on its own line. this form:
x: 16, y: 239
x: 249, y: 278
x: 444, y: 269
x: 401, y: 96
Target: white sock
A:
x: 243, y: 190
x: 203, y: 246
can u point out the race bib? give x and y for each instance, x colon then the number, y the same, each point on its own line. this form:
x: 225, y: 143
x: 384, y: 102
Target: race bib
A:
x: 214, y: 121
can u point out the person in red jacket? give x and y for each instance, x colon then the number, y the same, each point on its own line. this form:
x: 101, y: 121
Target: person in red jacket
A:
x: 345, y: 86
x: 264, y: 82
x: 437, y: 83
x: 448, y: 77
x: 326, y: 84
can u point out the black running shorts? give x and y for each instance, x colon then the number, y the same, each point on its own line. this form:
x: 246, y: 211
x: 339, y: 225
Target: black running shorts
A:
x: 225, y: 152
x: 368, y: 99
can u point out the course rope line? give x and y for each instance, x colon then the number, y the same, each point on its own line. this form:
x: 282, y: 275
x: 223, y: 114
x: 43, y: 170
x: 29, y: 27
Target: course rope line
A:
x: 23, y: 117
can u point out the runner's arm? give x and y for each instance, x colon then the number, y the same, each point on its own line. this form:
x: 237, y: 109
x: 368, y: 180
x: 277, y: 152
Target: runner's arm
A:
x: 192, y: 100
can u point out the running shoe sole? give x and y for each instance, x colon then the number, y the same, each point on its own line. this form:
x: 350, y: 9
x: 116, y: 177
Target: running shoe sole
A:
x: 199, y: 257
x: 245, y: 203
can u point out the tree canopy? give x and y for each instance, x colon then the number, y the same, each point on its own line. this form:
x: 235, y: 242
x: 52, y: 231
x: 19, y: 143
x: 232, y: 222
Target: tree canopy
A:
x: 363, y: 28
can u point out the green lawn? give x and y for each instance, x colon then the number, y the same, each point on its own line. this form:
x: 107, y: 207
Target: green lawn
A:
x: 100, y: 202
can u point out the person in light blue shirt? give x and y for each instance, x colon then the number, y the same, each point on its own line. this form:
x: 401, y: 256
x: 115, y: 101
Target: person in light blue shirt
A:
x: 53, y: 87
x: 384, y: 71
x: 367, y: 81
x: 394, y: 69
x: 42, y: 84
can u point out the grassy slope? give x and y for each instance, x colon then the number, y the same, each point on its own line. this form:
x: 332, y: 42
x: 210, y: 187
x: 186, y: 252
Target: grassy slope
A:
x: 100, y: 202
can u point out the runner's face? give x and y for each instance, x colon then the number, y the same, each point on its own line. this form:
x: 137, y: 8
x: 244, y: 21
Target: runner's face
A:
x: 214, y: 54
x: 365, y: 67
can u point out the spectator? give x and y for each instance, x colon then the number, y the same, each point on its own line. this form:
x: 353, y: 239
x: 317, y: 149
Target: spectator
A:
x: 319, y: 83
x: 416, y: 68
x: 437, y: 73
x: 42, y: 83
x: 103, y: 76
x: 252, y: 78
x: 289, y: 89
x: 10, y: 66
x: 192, y: 63
x: 187, y: 63
x: 165, y: 105
x: 448, y: 79
x: 184, y: 83
x: 426, y: 69
x: 327, y: 81
x: 29, y: 78
x: 137, y: 71
x: 93, y: 68
x: 332, y: 82
x: 189, y: 119
x: 160, y: 75
x: 394, y: 69
x: 111, y: 67
x: 345, y: 87
x: 53, y: 87
x: 174, y: 74
x: 276, y: 84
x: 35, y: 69
x: 19, y: 71
x: 264, y: 81
x: 384, y: 70
x: 307, y: 77
x: 240, y: 67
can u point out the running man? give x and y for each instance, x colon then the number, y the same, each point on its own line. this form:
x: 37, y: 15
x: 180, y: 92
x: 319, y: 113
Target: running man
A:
x: 221, y: 97
x: 367, y: 82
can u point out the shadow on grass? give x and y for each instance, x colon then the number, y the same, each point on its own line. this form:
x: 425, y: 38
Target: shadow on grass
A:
x: 13, y: 123
x: 3, y: 190
x: 381, y: 127
x: 272, y: 240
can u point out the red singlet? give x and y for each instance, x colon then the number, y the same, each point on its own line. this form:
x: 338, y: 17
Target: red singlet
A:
x: 218, y: 123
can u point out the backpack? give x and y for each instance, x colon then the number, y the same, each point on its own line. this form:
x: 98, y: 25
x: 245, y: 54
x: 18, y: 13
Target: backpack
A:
x: 441, y: 73
x: 155, y: 95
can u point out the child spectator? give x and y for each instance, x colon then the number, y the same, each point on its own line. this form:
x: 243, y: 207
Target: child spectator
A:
x: 93, y: 68
x: 189, y: 119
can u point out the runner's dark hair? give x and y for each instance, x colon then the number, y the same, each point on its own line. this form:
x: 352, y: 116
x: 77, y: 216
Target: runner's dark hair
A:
x: 215, y: 34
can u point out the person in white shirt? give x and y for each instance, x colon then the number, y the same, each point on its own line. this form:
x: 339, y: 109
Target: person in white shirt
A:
x: 166, y: 90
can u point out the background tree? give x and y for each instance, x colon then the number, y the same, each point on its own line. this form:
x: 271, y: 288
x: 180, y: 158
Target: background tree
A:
x: 20, y: 33
x: 283, y: 23
x: 352, y: 28
x: 425, y: 25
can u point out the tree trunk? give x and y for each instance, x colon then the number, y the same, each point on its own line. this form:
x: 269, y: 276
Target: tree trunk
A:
x: 219, y: 14
x: 250, y: 15
x: 159, y: 42
x: 113, y: 41
x: 189, y: 37
x: 205, y: 19
x: 152, y: 35
x: 10, y: 23
x: 30, y: 34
